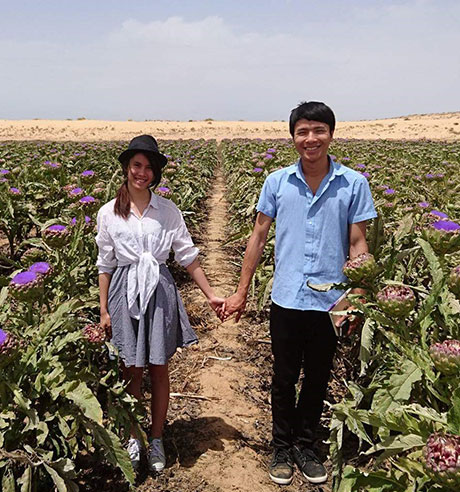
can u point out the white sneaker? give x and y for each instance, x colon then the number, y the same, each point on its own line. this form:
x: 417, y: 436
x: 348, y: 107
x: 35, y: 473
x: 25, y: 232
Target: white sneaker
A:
x: 134, y: 451
x: 156, y: 458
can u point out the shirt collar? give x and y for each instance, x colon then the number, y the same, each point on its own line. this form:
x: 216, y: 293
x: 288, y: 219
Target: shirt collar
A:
x: 153, y: 200
x: 153, y: 203
x: 335, y: 169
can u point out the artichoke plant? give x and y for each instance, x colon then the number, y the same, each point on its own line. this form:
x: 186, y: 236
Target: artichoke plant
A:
x: 56, y: 236
x: 26, y: 286
x: 94, y: 333
x: 8, y: 343
x: 446, y: 356
x: 396, y: 300
x: 41, y: 268
x: 363, y: 267
x: 442, y: 460
x: 444, y: 236
x: 454, y: 281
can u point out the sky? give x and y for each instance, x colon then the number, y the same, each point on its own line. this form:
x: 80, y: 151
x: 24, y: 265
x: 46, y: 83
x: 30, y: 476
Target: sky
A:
x: 227, y: 59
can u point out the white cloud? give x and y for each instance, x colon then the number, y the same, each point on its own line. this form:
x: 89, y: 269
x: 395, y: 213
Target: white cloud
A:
x: 402, y: 58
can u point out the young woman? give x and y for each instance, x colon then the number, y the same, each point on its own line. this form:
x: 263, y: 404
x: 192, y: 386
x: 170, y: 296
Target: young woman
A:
x: 139, y: 302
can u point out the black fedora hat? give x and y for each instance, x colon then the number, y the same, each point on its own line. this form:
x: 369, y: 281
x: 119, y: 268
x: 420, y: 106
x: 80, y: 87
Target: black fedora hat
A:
x: 145, y: 144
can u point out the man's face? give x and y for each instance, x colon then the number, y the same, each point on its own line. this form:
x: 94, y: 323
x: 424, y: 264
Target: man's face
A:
x: 311, y: 140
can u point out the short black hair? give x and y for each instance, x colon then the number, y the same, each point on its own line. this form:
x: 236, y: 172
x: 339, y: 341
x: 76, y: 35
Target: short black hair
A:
x: 313, y: 111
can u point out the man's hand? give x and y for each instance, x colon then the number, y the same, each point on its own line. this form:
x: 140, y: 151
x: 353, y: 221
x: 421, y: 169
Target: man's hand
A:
x: 234, y: 304
x: 106, y: 323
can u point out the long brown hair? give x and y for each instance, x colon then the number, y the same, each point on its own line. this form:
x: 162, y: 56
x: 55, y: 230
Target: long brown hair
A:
x: 122, y: 205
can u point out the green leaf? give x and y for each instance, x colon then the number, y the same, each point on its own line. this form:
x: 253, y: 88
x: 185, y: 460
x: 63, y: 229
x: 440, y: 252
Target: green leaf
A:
x: 8, y: 484
x: 397, y: 389
x: 25, y: 481
x: 85, y: 400
x: 355, y: 481
x: 397, y: 444
x: 115, y: 452
x: 367, y: 335
x: 453, y: 415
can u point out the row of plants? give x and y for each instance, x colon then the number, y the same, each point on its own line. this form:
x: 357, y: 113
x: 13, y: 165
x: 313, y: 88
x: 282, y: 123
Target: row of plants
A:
x: 63, y: 406
x: 404, y: 407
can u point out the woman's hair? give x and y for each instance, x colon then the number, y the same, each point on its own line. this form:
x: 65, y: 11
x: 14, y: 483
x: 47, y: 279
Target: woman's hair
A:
x: 122, y: 201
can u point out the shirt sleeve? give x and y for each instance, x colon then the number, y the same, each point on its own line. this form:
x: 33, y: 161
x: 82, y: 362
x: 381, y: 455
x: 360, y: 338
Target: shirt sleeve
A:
x: 267, y: 200
x: 106, y: 260
x: 362, y: 206
x: 185, y: 251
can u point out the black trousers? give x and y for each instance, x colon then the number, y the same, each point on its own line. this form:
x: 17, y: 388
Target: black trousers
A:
x: 299, y: 339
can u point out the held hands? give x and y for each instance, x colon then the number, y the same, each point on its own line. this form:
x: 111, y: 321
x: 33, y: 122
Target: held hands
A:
x: 216, y: 304
x: 234, y: 304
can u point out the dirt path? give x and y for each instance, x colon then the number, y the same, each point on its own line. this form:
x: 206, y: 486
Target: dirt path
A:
x: 231, y: 435
x: 229, y: 459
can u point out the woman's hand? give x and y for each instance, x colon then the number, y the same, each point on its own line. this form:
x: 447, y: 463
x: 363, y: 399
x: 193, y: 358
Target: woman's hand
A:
x: 106, y: 323
x: 217, y: 304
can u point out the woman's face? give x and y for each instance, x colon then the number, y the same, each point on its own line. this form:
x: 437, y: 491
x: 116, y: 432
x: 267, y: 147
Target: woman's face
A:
x: 140, y: 172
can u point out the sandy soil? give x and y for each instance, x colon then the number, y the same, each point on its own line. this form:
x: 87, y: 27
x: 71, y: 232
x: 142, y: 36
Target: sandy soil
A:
x: 444, y: 126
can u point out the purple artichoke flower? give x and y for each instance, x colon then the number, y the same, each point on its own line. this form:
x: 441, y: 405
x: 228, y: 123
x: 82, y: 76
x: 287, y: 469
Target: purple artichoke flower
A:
x: 423, y: 204
x: 446, y: 356
x: 26, y: 286
x: 361, y: 166
x: 257, y: 170
x: 454, y: 281
x: 4, y: 171
x: 363, y: 267
x: 269, y: 157
x: 56, y: 235
x: 89, y: 203
x: 15, y: 191
x: 437, y: 213
x: 382, y: 187
x: 444, y: 236
x: 94, y: 334
x: 75, y: 191
x: 51, y: 166
x: 442, y: 460
x: 434, y: 176
x: 164, y: 191
x: 3, y: 180
x: 88, y: 176
x: 41, y: 268
x: 389, y: 191
x: 366, y: 175
x: 271, y: 151
x: 396, y: 300
x: 8, y: 343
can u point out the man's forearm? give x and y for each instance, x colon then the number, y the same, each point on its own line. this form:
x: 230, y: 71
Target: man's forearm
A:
x: 251, y: 259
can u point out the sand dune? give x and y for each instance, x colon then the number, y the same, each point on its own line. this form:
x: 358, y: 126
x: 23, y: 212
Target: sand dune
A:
x: 445, y: 126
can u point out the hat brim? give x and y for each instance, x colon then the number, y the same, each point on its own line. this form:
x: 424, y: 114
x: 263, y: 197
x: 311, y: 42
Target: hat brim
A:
x: 127, y: 154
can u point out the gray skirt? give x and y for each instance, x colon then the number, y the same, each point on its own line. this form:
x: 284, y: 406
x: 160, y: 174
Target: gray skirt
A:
x: 154, y: 338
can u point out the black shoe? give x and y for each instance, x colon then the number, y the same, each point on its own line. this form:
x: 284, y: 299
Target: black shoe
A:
x: 309, y: 464
x: 281, y: 469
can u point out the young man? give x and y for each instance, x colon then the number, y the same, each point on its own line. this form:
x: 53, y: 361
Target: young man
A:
x: 321, y: 209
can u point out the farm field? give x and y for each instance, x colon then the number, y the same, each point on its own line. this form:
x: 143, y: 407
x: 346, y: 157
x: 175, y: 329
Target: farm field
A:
x: 394, y: 406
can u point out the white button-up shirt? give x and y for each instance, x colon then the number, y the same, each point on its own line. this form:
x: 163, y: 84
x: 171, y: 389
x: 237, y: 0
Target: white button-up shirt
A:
x: 143, y: 243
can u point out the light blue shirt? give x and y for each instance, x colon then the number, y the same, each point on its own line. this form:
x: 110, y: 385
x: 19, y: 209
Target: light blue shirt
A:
x: 312, y: 231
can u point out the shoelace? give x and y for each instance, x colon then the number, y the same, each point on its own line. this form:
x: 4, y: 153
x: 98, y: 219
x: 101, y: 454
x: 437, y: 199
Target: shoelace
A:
x: 308, y: 455
x: 133, y: 447
x: 155, y: 448
x: 282, y: 456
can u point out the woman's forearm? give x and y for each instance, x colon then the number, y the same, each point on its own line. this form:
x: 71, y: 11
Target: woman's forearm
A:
x: 104, y: 282
x: 197, y: 274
